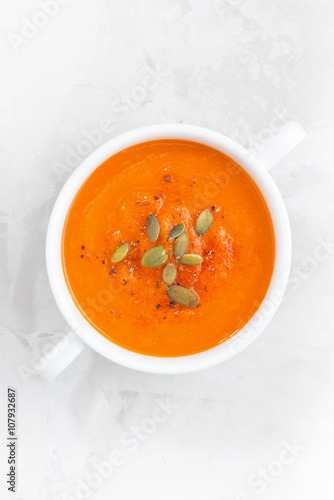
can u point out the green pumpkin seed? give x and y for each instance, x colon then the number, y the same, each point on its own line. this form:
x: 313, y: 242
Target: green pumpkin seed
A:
x: 182, y: 296
x: 155, y: 257
x: 176, y: 231
x: 203, y: 222
x: 152, y: 228
x: 191, y: 259
x: 180, y: 245
x: 120, y: 252
x: 169, y: 274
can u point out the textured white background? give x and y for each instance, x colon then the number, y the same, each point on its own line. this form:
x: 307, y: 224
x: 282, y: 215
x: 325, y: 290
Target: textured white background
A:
x: 236, y: 66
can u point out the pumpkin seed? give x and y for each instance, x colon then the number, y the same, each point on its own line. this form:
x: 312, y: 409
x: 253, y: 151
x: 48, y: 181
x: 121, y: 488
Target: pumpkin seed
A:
x: 204, y: 221
x: 155, y: 257
x: 120, y: 252
x: 152, y: 228
x: 191, y: 259
x: 182, y: 296
x: 180, y: 245
x: 169, y: 274
x: 176, y: 231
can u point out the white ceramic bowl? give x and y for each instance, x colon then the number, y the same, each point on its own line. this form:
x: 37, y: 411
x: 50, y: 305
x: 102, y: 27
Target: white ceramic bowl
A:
x: 267, y: 309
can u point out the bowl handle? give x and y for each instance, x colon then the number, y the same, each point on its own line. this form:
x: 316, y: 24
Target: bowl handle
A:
x: 62, y: 354
x: 286, y: 139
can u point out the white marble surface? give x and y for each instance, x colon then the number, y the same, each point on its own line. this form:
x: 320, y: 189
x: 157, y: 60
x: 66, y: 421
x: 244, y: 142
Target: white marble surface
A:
x: 237, y: 66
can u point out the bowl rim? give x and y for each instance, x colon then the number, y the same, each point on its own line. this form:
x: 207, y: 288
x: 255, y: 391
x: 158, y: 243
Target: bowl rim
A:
x: 259, y: 321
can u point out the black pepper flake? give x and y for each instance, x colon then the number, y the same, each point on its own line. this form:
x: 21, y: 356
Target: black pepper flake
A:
x: 158, y: 306
x: 171, y: 305
x: 113, y: 271
x: 125, y: 282
x: 82, y: 256
x: 131, y: 293
x: 156, y: 197
x: 82, y: 247
x: 205, y: 288
x: 103, y: 262
x: 112, y: 311
x: 165, y: 317
x: 168, y: 178
x: 213, y: 208
x: 227, y: 267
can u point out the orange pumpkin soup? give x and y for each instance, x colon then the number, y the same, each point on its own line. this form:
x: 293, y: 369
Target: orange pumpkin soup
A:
x: 227, y: 263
